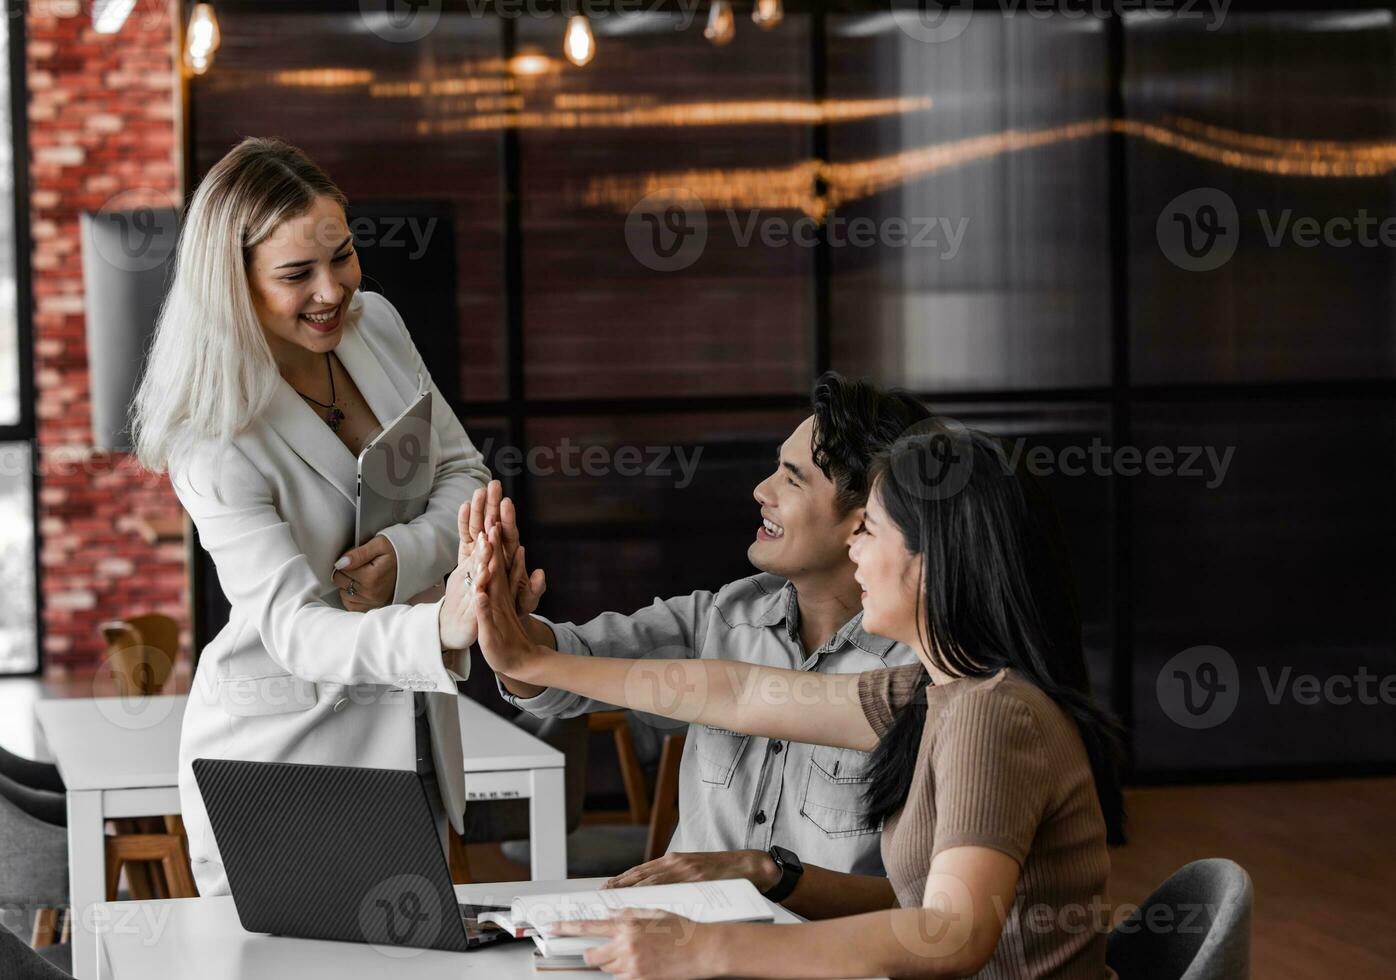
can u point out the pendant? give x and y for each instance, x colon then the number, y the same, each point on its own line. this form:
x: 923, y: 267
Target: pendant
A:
x: 336, y: 417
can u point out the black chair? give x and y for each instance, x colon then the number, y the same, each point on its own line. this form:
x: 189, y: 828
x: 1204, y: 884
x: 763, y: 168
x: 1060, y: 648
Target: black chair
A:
x: 28, y: 772
x: 1205, y: 935
x: 19, y: 962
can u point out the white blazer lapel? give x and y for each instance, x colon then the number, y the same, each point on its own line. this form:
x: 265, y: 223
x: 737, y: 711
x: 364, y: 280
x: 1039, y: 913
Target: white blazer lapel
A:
x: 366, y: 368
x: 311, y: 439
x: 306, y: 431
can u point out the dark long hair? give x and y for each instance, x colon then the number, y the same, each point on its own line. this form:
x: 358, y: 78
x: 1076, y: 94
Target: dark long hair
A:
x: 997, y: 592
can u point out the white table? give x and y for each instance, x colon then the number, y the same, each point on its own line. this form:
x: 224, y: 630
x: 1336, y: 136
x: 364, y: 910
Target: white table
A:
x: 119, y: 757
x: 201, y: 937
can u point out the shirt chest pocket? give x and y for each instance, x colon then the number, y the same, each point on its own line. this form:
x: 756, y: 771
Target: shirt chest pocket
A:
x: 833, y: 800
x: 718, y: 751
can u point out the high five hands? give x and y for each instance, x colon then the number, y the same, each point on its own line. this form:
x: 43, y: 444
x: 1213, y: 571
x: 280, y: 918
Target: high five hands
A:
x: 487, y: 510
x: 497, y: 592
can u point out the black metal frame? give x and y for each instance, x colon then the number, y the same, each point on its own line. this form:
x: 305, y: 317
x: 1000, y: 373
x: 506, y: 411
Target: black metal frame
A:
x: 25, y: 430
x: 1119, y: 395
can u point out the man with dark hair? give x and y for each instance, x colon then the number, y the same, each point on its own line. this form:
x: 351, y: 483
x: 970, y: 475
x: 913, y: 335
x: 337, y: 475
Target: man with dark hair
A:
x: 789, y: 816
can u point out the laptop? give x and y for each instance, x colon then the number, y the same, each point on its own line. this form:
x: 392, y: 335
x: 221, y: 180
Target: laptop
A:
x: 336, y: 852
x: 395, y: 473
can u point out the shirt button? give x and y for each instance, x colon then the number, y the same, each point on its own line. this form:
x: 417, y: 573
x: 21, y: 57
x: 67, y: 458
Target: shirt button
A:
x: 775, y: 748
x: 760, y: 816
x: 339, y: 705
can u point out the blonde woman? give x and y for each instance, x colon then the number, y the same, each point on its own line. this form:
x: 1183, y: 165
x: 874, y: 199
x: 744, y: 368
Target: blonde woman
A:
x: 268, y: 372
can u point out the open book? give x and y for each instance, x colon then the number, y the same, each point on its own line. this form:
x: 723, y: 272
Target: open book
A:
x: 735, y: 900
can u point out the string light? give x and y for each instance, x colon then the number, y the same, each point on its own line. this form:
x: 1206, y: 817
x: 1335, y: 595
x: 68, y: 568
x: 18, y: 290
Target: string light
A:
x: 531, y: 63
x: 768, y: 13
x: 578, y: 43
x: 722, y: 25
x: 201, y: 39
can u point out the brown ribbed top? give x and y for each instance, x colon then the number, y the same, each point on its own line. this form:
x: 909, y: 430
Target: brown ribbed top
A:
x: 1001, y: 766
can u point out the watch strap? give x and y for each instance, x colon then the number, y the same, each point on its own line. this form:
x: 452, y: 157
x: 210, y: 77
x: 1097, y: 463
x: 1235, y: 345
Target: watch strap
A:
x: 789, y: 877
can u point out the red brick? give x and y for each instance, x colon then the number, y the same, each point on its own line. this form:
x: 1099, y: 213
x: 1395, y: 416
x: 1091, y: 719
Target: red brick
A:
x: 101, y: 107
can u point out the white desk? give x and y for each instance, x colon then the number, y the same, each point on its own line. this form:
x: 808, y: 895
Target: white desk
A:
x: 120, y: 758
x: 201, y: 937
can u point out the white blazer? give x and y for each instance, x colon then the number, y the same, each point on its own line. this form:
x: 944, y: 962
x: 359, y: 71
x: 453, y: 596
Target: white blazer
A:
x: 293, y: 676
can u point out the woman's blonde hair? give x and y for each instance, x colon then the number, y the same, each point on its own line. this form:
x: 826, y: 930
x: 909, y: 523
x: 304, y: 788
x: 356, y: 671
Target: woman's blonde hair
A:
x: 209, y: 370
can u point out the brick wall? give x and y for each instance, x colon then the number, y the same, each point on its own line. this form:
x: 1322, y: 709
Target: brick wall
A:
x: 102, y: 122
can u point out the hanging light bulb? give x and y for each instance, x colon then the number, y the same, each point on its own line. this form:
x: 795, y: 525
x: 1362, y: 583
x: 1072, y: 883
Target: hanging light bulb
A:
x: 768, y: 13
x: 578, y: 43
x: 722, y: 26
x: 201, y: 38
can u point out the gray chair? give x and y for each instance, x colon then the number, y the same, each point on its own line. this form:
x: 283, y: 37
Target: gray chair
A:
x: 19, y: 962
x: 28, y: 772
x: 46, y: 805
x: 1195, y: 926
x: 33, y: 878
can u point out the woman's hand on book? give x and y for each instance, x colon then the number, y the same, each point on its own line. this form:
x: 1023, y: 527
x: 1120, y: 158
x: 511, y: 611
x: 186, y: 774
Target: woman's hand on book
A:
x: 755, y: 866
x: 648, y: 945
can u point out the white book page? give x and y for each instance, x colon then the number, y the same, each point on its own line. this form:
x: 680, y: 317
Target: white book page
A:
x: 735, y: 900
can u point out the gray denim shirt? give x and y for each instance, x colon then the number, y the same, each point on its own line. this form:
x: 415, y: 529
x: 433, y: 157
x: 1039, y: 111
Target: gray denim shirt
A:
x: 742, y: 791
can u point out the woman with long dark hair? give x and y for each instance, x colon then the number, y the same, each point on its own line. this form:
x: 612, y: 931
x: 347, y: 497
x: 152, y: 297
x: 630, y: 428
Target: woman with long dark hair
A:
x: 994, y: 777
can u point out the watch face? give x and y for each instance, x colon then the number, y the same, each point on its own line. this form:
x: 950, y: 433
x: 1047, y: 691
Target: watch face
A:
x: 786, y: 859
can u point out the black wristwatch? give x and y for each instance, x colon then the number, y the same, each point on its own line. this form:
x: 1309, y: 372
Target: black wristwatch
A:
x: 790, y: 871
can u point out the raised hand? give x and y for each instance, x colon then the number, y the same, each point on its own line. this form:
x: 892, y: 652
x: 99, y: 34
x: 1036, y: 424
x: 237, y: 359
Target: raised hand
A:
x: 528, y: 589
x: 457, y: 619
x: 489, y: 507
x: 503, y: 640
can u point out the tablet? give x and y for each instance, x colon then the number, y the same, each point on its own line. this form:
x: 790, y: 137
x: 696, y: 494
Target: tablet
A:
x: 396, y: 472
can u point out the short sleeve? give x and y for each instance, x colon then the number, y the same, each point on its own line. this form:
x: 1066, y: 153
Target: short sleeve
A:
x: 991, y: 776
x: 884, y: 693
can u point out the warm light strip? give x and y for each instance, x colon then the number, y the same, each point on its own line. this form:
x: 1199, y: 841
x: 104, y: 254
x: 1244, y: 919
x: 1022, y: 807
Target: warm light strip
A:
x: 786, y: 187
x: 444, y: 86
x: 323, y: 78
x: 794, y: 187
x: 599, y: 100
x: 851, y: 181
x: 1375, y: 149
x: 1308, y: 164
x: 736, y: 113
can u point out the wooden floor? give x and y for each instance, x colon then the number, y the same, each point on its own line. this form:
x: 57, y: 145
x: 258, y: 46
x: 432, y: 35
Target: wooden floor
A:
x: 1321, y: 856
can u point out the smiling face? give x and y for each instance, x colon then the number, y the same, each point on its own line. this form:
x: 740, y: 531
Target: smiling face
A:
x: 802, y: 531
x: 888, y: 574
x: 302, y: 278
